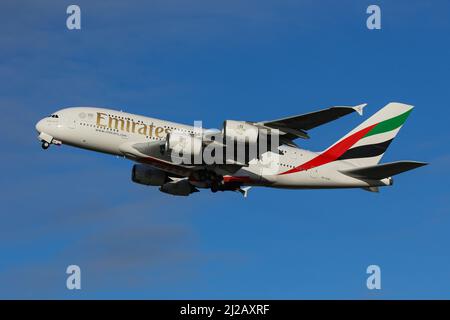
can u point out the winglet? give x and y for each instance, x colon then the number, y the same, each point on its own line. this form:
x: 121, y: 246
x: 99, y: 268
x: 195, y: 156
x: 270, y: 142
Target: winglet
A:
x: 244, y: 191
x: 359, y: 108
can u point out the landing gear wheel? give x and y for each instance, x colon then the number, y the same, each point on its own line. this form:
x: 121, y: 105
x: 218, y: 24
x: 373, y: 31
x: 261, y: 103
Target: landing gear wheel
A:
x: 202, y: 175
x: 45, y: 145
x: 212, y: 176
x: 214, y: 188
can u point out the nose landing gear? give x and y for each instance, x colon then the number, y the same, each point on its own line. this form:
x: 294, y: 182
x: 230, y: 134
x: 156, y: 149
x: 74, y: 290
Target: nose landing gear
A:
x: 45, y: 145
x: 47, y: 140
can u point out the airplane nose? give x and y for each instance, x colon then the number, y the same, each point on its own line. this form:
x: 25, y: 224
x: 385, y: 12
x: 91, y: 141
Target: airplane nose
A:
x: 40, y: 125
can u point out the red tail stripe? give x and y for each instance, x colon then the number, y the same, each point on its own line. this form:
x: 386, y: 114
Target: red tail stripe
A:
x: 332, y: 153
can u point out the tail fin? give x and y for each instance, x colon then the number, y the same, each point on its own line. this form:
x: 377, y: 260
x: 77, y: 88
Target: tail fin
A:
x: 366, y: 144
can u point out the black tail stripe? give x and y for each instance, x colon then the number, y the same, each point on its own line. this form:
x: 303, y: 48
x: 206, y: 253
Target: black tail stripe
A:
x: 371, y: 150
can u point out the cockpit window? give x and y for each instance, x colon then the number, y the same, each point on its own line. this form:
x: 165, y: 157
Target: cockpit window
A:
x: 54, y: 116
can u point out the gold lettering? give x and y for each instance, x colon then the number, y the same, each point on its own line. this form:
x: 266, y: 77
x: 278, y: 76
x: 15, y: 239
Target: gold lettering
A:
x: 158, y: 131
x: 150, y: 130
x: 116, y: 123
x: 168, y: 131
x: 99, y: 118
x: 143, y: 129
x: 133, y: 126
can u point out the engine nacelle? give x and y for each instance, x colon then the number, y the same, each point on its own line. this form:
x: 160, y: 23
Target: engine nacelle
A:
x: 148, y: 176
x: 183, y: 147
x: 240, y: 131
x: 178, y: 188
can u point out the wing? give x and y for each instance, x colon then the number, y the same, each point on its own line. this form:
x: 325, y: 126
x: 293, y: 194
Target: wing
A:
x: 296, y: 126
x: 150, y: 153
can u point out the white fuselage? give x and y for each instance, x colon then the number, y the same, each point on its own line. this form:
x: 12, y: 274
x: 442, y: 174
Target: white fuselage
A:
x: 106, y: 130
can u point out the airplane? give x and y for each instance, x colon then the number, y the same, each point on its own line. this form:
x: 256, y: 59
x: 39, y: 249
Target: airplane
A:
x: 156, y: 147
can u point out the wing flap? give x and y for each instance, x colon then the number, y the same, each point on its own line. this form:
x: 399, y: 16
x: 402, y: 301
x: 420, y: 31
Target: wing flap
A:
x: 384, y: 170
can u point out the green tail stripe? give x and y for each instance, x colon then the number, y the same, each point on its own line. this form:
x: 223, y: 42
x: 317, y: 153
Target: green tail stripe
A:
x: 389, y: 125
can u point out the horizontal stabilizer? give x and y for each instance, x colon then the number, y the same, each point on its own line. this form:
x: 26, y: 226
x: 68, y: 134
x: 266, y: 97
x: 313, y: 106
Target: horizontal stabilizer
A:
x: 384, y: 170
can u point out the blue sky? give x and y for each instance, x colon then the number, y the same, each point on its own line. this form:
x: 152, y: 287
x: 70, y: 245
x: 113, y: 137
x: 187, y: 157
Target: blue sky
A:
x: 211, y: 61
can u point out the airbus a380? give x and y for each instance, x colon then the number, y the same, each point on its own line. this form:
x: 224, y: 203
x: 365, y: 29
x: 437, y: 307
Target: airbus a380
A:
x: 158, y: 148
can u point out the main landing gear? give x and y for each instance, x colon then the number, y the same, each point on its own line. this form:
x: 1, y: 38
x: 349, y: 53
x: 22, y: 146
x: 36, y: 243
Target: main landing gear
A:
x: 207, y: 179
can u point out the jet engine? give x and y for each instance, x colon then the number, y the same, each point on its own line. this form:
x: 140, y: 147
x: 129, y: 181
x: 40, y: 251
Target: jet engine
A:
x: 183, y: 148
x: 147, y: 175
x: 178, y: 188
